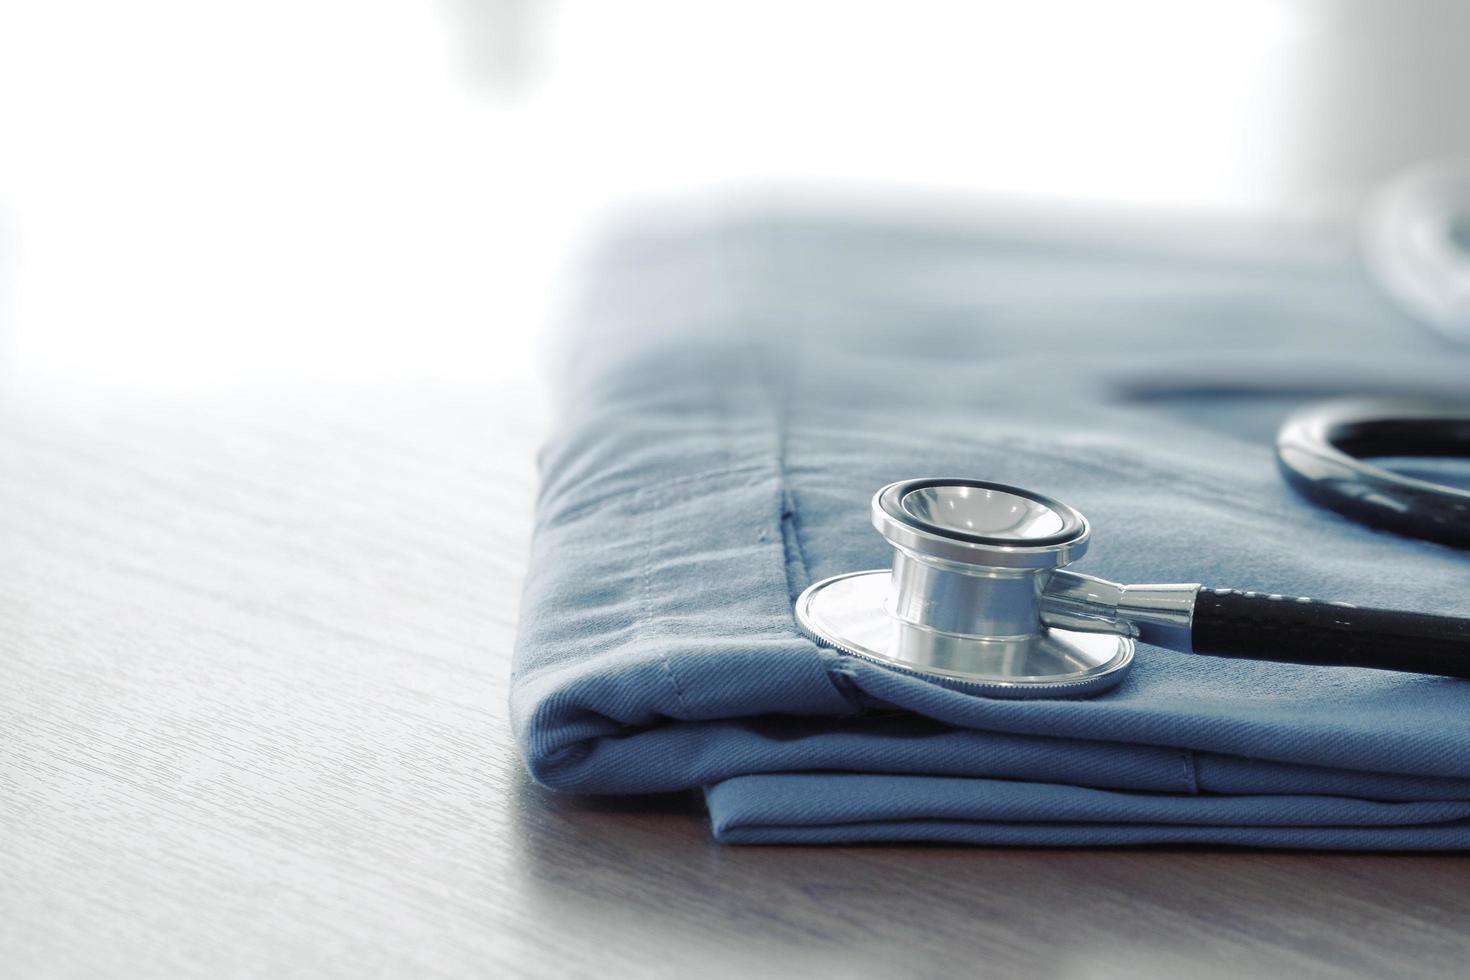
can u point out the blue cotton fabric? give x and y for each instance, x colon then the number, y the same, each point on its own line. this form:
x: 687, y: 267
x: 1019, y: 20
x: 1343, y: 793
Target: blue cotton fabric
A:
x: 733, y: 393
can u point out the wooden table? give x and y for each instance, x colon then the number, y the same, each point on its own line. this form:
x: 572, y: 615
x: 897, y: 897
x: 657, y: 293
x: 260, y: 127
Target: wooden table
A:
x: 253, y: 724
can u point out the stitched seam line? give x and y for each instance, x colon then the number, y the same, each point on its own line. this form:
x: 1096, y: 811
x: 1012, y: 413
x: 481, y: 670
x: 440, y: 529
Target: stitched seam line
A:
x: 645, y: 507
x: 791, y: 538
x: 778, y: 413
x: 775, y: 467
x: 777, y: 418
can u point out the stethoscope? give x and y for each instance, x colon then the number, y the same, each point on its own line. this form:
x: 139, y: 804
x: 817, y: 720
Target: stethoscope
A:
x: 978, y: 597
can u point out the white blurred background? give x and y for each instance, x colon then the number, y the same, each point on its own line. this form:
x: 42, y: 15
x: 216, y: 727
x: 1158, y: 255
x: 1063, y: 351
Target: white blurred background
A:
x: 198, y: 195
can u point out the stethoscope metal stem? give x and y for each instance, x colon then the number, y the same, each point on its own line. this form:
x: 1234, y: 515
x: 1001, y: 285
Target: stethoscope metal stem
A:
x: 1159, y: 615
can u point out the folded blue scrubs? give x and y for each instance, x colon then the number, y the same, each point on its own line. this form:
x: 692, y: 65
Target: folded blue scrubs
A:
x: 734, y: 393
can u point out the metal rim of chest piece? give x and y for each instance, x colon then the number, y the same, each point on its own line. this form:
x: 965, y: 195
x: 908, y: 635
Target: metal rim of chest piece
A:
x: 960, y: 605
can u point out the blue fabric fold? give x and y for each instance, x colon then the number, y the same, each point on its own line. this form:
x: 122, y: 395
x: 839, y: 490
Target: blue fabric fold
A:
x: 735, y: 392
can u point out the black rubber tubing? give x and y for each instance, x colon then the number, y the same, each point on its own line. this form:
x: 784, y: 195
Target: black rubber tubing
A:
x: 1288, y: 629
x: 1319, y: 452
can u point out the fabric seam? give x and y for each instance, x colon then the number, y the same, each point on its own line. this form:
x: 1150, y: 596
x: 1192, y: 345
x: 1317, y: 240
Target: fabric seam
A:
x: 665, y: 660
x: 777, y: 418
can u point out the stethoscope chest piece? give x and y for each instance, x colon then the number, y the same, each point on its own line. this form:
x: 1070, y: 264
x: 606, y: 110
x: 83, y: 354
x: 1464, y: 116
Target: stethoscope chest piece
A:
x: 961, y: 604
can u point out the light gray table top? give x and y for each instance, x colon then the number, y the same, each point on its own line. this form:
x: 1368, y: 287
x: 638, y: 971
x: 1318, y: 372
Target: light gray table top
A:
x: 253, y: 724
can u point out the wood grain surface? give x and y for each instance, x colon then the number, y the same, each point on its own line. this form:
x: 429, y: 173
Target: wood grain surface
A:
x: 253, y: 724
